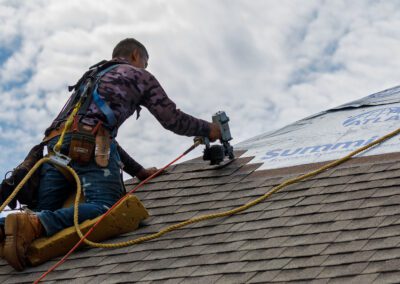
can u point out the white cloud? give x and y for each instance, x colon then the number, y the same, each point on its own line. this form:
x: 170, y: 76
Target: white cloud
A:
x: 267, y: 63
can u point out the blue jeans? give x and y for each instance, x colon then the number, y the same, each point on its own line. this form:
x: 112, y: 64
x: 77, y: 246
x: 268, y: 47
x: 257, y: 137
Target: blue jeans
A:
x: 101, y: 187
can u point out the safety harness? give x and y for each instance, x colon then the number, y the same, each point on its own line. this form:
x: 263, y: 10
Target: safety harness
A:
x: 85, y: 91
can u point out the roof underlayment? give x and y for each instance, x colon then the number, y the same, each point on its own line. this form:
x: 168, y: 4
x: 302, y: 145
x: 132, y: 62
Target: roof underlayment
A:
x: 331, y: 134
x: 341, y: 226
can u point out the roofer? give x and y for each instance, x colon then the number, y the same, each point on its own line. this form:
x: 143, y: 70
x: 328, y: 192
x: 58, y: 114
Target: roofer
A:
x: 124, y: 86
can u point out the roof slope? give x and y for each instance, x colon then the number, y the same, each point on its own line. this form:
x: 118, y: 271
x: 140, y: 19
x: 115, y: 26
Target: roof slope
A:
x: 340, y: 226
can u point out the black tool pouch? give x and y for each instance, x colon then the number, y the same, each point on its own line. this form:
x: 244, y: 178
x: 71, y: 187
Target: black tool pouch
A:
x: 28, y: 193
x: 82, y: 147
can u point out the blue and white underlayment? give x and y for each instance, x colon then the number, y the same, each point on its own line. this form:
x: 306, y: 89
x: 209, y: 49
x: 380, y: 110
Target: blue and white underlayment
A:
x: 331, y: 134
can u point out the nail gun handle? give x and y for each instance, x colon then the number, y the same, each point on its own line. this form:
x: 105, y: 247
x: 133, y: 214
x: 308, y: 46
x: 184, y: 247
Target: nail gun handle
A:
x: 222, y: 120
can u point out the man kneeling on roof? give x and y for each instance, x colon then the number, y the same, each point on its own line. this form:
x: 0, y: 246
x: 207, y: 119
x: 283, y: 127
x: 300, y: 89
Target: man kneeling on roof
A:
x: 122, y: 87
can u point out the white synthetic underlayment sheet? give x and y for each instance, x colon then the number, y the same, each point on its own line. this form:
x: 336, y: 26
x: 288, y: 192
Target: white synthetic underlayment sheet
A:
x: 331, y: 134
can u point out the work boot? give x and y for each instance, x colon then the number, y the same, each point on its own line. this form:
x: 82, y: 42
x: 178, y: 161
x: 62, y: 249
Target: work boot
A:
x: 21, y: 229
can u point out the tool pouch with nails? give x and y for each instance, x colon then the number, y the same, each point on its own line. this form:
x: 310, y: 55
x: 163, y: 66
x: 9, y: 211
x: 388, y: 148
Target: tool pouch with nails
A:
x: 102, y: 151
x: 82, y: 147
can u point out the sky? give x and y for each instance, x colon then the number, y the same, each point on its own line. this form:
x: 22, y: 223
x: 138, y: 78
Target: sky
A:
x: 266, y: 63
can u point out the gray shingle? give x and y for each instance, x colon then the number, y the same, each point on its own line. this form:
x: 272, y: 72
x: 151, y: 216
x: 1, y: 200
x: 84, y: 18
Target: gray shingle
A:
x: 263, y: 243
x: 124, y: 277
x: 288, y: 231
x: 366, y: 223
x: 272, y: 213
x: 174, y: 253
x: 245, y: 217
x: 83, y: 280
x: 202, y: 229
x: 96, y: 270
x: 169, y: 273
x: 216, y: 269
x: 214, y: 239
x: 197, y: 280
x: 382, y: 266
x: 301, y: 262
x: 212, y: 258
x: 345, y: 247
x: 388, y: 277
x: 348, y: 258
x: 353, y: 235
x: 387, y: 191
x: 233, y: 278
x: 384, y: 254
x: 388, y: 210
x: 343, y: 205
x: 264, y: 277
x: 298, y: 274
x: 266, y: 254
x: 358, y: 213
x: 349, y: 195
x: 314, y: 218
x: 301, y: 251
x: 266, y: 224
x: 389, y: 231
x: 311, y: 239
x: 388, y: 242
x: 364, y: 278
x: 164, y: 281
x: 263, y: 265
x: 342, y: 270
x: 225, y: 247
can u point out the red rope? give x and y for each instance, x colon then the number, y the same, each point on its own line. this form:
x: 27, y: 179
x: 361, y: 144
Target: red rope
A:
x: 62, y: 260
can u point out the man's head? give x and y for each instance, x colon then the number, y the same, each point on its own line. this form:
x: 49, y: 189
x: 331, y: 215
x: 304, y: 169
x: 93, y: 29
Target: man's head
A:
x: 133, y: 51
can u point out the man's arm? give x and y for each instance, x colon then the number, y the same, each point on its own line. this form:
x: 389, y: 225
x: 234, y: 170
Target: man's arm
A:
x: 164, y: 110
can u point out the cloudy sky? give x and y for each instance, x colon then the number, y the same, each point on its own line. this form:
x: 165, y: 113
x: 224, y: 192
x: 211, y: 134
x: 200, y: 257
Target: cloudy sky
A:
x: 266, y: 63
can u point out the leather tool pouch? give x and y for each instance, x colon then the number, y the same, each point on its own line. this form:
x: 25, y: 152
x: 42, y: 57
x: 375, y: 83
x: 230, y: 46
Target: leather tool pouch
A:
x: 102, y: 152
x: 82, y: 147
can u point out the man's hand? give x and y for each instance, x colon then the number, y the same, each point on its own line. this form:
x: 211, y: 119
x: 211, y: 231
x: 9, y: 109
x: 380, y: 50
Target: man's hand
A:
x: 215, y: 132
x: 145, y: 173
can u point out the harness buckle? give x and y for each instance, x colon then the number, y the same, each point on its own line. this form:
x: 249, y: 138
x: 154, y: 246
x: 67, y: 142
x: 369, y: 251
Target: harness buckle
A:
x: 60, y: 159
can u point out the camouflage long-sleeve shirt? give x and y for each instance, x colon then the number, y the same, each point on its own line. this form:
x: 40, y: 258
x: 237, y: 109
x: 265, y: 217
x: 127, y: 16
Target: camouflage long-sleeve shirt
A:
x: 126, y: 88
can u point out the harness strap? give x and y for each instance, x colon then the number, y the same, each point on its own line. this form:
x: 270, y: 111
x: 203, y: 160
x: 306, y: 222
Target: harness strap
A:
x: 102, y: 105
x: 92, y: 95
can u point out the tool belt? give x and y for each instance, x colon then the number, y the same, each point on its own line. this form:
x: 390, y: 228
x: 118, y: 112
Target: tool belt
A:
x: 87, y: 142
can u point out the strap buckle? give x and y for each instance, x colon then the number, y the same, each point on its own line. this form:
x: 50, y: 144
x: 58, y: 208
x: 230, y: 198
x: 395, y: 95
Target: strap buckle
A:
x: 60, y: 159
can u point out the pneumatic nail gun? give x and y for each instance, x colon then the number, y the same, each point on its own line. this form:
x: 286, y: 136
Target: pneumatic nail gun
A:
x: 217, y: 153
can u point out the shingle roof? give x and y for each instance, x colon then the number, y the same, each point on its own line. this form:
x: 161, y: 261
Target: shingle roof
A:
x: 340, y: 226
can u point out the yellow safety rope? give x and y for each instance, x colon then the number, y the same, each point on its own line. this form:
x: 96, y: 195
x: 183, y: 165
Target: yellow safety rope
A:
x: 67, y: 126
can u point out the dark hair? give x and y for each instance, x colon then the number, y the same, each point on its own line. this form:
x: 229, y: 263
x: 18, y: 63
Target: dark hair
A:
x: 125, y: 48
